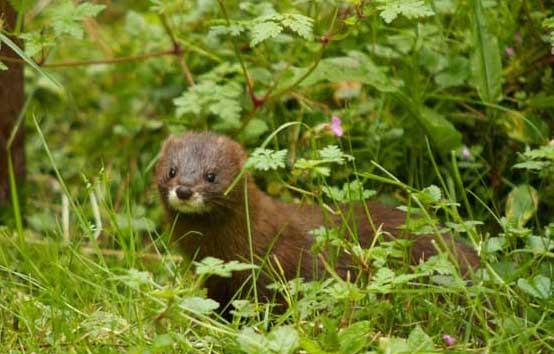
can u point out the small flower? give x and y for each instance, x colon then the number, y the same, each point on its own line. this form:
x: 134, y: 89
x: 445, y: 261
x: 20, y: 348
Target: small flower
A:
x: 448, y: 340
x: 510, y: 52
x: 466, y: 154
x: 336, y: 126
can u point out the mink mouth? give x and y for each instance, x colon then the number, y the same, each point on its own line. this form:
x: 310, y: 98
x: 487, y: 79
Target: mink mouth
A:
x: 195, y: 204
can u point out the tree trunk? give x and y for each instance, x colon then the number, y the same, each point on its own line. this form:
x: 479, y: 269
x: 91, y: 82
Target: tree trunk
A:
x: 11, y: 103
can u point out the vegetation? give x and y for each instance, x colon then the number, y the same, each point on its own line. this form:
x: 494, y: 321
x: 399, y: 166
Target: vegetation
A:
x: 442, y: 107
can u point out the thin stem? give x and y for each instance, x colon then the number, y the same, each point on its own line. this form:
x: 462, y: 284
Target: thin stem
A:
x: 179, y: 52
x: 249, y: 84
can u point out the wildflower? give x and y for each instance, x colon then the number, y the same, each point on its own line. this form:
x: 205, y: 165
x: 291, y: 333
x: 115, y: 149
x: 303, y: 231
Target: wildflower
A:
x: 466, y: 154
x: 448, y: 340
x: 336, y: 126
x: 510, y: 52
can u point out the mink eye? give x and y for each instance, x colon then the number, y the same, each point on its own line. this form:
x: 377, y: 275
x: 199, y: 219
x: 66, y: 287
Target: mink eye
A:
x: 210, y: 177
x: 172, y: 172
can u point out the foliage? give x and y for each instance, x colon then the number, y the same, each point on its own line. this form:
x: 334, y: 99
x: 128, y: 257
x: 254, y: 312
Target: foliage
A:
x: 443, y: 108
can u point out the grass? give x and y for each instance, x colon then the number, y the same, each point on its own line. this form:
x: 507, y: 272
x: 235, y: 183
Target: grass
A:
x: 131, y: 292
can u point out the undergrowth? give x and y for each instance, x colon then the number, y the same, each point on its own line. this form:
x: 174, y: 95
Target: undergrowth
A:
x: 442, y: 108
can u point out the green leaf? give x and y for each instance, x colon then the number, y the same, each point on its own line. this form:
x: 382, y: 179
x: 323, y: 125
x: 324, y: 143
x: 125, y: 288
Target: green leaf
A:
x: 215, y: 266
x: 283, y: 340
x: 522, y: 204
x: 391, y: 9
x: 420, y: 342
x: 135, y: 278
x: 353, y: 191
x: 299, y: 24
x: 540, y: 245
x: 539, y: 287
x: 266, y: 159
x: 67, y: 17
x: 264, y: 30
x: 199, y: 305
x: 494, y: 244
x: 354, y: 338
x: 3, y: 66
x: 429, y: 195
x: 549, y: 25
x: 486, y: 61
x: 333, y: 153
x: 443, y: 133
x: 28, y: 60
x: 251, y: 342
x: 208, y: 97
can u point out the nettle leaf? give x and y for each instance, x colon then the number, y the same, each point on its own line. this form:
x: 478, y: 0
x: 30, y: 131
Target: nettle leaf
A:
x: 199, y: 305
x: 266, y: 159
x: 391, y: 9
x: 67, y: 17
x: 539, y: 287
x: 215, y: 266
x: 209, y: 97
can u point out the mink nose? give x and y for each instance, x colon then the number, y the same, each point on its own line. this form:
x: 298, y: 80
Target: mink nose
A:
x: 183, y: 192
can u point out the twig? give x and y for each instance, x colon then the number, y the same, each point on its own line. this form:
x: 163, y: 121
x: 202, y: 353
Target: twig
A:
x: 249, y: 84
x: 96, y: 62
x: 178, y: 50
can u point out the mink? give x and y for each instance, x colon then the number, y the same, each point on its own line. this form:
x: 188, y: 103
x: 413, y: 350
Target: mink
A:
x: 195, y: 171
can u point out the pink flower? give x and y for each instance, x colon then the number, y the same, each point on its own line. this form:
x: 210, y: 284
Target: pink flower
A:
x: 510, y: 52
x: 448, y: 340
x: 336, y: 126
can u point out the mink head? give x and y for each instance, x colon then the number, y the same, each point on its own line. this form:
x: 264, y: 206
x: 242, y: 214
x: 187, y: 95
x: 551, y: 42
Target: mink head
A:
x: 195, y: 170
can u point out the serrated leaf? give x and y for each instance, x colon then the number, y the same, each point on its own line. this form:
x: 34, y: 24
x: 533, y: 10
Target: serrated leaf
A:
x: 299, y: 24
x: 353, y: 339
x: 199, y: 305
x: 539, y: 287
x: 267, y: 159
x: 540, y: 245
x: 283, y: 340
x: 215, y: 266
x: 208, y: 97
x: 494, y: 244
x: 333, y: 153
x: 264, y: 30
x: 429, y: 195
x: 391, y: 9
x: 353, y: 191
x: 67, y: 17
x: 252, y: 342
x: 486, y: 61
x: 420, y: 342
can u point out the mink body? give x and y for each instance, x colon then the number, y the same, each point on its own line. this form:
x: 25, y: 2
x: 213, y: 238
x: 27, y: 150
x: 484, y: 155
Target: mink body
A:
x: 196, y: 169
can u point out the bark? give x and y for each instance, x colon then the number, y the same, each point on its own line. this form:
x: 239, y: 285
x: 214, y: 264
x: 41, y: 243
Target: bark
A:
x: 11, y: 103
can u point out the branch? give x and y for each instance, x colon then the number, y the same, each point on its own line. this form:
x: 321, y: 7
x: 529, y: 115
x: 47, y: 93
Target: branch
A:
x: 98, y: 61
x: 177, y: 48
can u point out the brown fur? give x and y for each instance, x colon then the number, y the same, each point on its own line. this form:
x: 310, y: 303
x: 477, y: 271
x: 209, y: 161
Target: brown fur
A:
x: 279, y: 229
